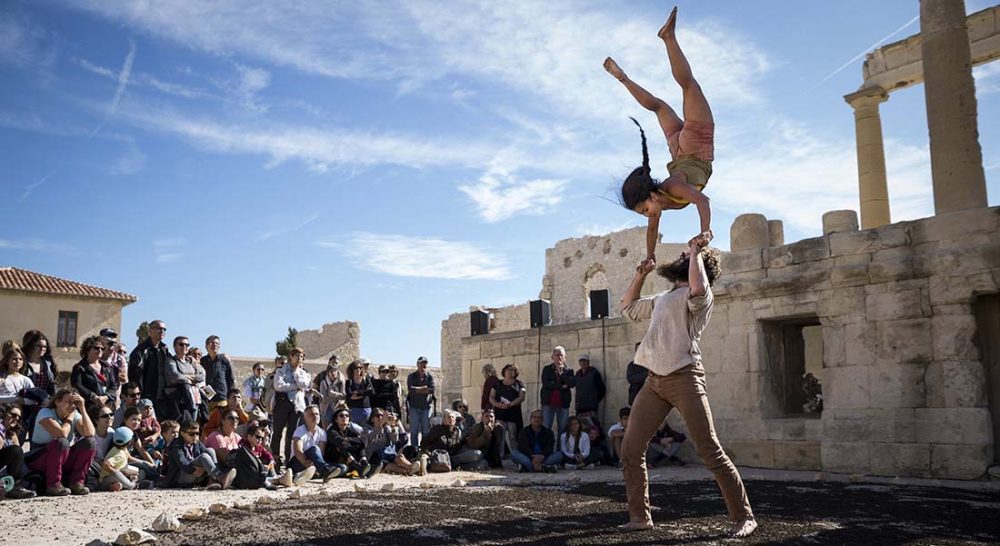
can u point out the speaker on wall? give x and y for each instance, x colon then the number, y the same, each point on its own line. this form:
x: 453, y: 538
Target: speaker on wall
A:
x: 480, y: 323
x: 540, y: 313
x: 599, y: 304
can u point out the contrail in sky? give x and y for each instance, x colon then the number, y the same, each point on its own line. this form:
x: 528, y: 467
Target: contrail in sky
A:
x: 862, y: 54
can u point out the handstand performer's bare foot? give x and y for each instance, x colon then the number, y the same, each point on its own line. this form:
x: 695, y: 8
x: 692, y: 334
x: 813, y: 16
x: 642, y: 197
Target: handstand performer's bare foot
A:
x: 743, y: 529
x: 612, y: 67
x: 667, y: 30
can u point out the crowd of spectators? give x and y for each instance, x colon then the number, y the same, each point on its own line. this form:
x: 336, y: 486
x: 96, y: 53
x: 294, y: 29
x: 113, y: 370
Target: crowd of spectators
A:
x: 162, y: 416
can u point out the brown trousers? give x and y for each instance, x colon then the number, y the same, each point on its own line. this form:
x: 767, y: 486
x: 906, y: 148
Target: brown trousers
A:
x: 685, y: 390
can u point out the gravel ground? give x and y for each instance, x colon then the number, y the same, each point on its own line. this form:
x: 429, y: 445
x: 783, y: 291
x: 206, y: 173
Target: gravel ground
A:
x: 567, y: 508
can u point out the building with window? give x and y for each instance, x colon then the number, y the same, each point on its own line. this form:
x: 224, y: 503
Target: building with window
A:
x: 66, y: 311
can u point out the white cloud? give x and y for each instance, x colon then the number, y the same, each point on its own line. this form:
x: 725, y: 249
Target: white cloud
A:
x: 251, y: 82
x: 987, y: 82
x: 131, y: 161
x: 169, y: 250
x: 407, y: 256
x: 122, y: 78
x: 498, y: 195
x: 287, y: 229
x: 37, y: 245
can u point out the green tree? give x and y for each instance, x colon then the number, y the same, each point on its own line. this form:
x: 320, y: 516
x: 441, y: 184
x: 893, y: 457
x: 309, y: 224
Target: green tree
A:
x: 143, y: 331
x: 285, y: 346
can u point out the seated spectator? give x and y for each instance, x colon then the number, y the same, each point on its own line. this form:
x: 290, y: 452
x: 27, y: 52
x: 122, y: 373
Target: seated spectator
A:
x: 328, y: 388
x: 596, y: 435
x: 137, y: 454
x: 487, y: 436
x: 448, y: 436
x: 11, y: 453
x: 255, y: 464
x: 664, y: 445
x: 192, y: 464
x: 233, y: 402
x: 406, y: 461
x: 64, y: 445
x: 616, y: 433
x: 358, y: 390
x: 116, y: 474
x: 253, y: 388
x: 345, y: 448
x: 131, y: 394
x: 575, y: 446
x: 466, y: 420
x: 92, y: 377
x: 12, y: 382
x: 149, y: 427
x: 170, y: 430
x: 103, y: 440
x: 536, y: 450
x: 379, y: 446
x: 308, y: 447
x: 226, y: 439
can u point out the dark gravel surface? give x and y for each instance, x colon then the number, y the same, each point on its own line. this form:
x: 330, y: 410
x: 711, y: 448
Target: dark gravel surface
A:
x: 685, y: 513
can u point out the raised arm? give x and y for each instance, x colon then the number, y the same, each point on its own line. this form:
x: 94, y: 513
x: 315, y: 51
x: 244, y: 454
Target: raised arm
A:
x: 652, y: 236
x: 697, y: 278
x: 682, y: 190
x: 634, y: 290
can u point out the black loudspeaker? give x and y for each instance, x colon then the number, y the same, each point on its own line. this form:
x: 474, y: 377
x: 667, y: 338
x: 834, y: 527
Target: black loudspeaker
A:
x: 540, y: 313
x: 599, y: 304
x: 480, y: 323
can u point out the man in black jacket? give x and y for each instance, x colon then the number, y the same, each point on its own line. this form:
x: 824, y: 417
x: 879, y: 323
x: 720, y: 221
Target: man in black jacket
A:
x: 590, y: 389
x: 218, y: 371
x: 557, y: 380
x: 536, y: 447
x: 147, y: 362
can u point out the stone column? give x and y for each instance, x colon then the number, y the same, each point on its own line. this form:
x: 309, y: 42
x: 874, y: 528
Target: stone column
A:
x: 950, y: 93
x: 872, y: 186
x: 748, y: 231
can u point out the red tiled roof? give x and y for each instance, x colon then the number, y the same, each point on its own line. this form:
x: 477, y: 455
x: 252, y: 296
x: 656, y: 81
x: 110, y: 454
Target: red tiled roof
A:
x: 21, y: 280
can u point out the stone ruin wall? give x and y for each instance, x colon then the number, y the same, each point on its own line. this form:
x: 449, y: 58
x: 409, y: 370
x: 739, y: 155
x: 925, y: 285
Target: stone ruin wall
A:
x: 903, y: 386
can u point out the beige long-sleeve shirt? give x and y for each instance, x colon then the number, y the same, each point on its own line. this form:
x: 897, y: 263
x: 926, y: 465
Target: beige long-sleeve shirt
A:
x: 676, y: 322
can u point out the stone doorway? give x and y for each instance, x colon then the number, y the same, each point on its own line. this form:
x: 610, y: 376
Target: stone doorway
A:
x: 987, y: 311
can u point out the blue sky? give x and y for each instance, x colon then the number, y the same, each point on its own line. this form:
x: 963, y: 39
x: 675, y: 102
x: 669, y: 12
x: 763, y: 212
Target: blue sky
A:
x: 246, y: 166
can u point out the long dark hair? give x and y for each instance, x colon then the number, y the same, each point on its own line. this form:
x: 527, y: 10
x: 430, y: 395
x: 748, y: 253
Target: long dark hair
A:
x: 638, y: 185
x: 31, y: 340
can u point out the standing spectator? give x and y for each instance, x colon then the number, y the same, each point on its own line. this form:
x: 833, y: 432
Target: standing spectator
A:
x: 491, y: 380
x: 420, y: 393
x: 147, y: 365
x: 233, y: 402
x: 63, y: 444
x: 345, y: 448
x: 93, y: 378
x: 329, y: 387
x: 180, y: 383
x: 149, y: 426
x: 617, y: 432
x: 394, y: 377
x: 253, y: 388
x: 39, y: 366
x: 279, y: 363
x: 590, y: 390
x: 114, y: 355
x: 131, y: 394
x: 536, y: 447
x: 487, y: 436
x: 359, y: 391
x: 192, y: 464
x: 291, y: 383
x: 636, y: 377
x: 556, y: 396
x: 226, y: 439
x: 386, y: 391
x: 575, y: 446
x: 218, y: 371
x: 466, y: 420
x: 11, y: 452
x: 506, y: 399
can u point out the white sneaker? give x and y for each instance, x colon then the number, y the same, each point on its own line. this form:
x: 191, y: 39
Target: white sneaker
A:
x: 285, y: 479
x: 333, y: 473
x: 303, y: 477
x: 227, y: 480
x: 423, y: 465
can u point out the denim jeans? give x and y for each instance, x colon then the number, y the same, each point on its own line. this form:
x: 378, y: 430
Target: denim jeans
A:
x: 314, y: 455
x: 551, y: 413
x: 420, y: 424
x: 525, y: 461
x: 207, y: 462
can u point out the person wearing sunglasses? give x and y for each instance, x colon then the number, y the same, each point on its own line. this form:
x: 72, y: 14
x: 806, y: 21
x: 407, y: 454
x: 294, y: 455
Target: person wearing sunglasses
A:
x: 191, y: 464
x: 11, y: 453
x: 225, y: 440
x: 92, y: 377
x: 182, y: 378
x: 103, y: 437
x: 255, y: 464
x: 146, y: 365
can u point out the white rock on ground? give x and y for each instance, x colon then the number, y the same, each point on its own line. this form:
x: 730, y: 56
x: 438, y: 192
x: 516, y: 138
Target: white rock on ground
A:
x: 134, y: 536
x: 165, y: 523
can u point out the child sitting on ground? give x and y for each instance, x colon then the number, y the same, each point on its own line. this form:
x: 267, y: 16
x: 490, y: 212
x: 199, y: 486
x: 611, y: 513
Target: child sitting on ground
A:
x: 116, y: 473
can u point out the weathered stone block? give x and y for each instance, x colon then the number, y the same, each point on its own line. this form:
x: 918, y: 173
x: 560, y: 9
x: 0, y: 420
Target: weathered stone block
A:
x: 954, y: 226
x: 491, y: 348
x: 900, y: 459
x: 845, y: 457
x: 754, y: 453
x: 963, y: 384
x: 814, y: 429
x: 954, y: 337
x: 742, y: 261
x: 797, y: 278
x: 905, y: 340
x: 954, y: 425
x: 590, y: 337
x: 848, y: 275
x: 794, y: 430
x: 840, y: 302
x: 960, y: 462
x: 869, y: 425
x: 806, y: 250
x: 470, y: 350
x: 893, y: 264
x: 618, y: 335
x: 513, y: 346
x: 869, y: 240
x: 892, y: 306
x: 846, y: 387
x: 860, y: 343
x: 834, y: 354
x: 897, y: 386
x: 797, y: 455
x: 774, y: 429
x: 961, y: 290
x: 568, y: 340
x: 729, y: 390
x: 527, y: 366
x: 741, y: 313
x: 735, y: 355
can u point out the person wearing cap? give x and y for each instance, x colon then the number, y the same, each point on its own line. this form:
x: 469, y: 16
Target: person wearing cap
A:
x: 253, y: 388
x: 465, y: 420
x: 114, y: 355
x: 556, y: 393
x: 329, y: 389
x: 419, y: 400
x: 218, y: 371
x: 147, y: 364
x: 116, y: 474
x: 590, y: 390
x: 92, y: 377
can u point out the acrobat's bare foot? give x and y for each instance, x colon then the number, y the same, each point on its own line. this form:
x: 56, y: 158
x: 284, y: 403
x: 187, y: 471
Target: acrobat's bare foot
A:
x: 667, y: 30
x: 612, y: 67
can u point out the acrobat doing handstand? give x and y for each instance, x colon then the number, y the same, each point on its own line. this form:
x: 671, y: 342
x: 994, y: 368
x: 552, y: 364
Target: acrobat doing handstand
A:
x: 690, y: 141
